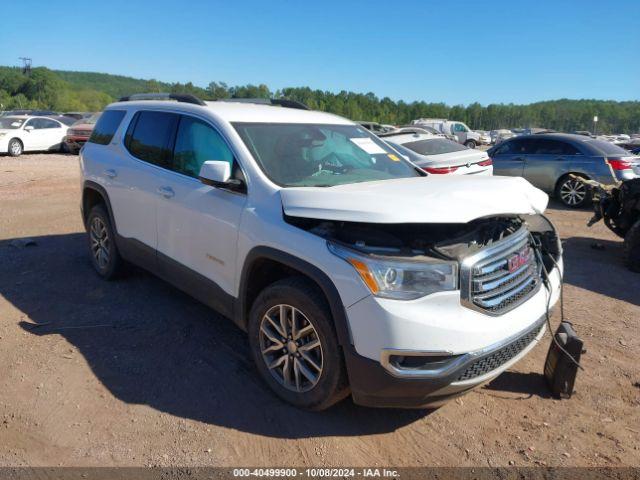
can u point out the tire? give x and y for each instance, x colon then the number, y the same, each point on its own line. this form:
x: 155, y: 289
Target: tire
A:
x: 632, y: 248
x: 571, y: 192
x: 15, y: 147
x: 470, y: 144
x: 292, y: 373
x: 103, y: 251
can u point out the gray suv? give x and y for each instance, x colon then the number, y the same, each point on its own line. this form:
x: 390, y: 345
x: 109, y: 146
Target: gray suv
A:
x: 547, y: 160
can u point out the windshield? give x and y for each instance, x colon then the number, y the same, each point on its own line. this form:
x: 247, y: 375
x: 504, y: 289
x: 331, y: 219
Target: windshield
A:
x: 304, y: 155
x: 434, y: 146
x: 11, y: 122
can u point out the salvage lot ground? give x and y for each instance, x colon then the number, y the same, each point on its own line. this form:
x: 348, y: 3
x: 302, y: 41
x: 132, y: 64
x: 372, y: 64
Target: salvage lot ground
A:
x: 136, y: 373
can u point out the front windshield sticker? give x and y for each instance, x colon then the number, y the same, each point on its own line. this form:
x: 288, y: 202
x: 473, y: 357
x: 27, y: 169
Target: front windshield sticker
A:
x: 393, y: 157
x: 368, y: 145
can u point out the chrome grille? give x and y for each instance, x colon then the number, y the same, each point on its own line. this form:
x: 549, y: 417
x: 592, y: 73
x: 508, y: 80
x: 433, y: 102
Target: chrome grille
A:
x: 501, y: 276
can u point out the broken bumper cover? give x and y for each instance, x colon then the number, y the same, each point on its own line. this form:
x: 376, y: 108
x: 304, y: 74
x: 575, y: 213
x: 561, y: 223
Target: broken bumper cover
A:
x: 435, y: 382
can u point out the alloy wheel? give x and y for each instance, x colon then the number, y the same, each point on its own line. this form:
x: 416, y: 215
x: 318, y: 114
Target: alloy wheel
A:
x: 99, y: 237
x: 291, y: 348
x: 573, y: 192
x: 15, y: 148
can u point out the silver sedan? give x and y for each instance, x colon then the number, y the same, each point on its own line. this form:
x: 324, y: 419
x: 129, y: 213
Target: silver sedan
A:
x: 547, y: 160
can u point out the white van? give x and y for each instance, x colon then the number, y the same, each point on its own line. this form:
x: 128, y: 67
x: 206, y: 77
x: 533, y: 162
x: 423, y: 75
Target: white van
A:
x: 462, y: 132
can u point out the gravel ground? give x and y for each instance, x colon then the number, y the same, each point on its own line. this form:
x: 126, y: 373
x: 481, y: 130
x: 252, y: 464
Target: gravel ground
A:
x: 134, y: 372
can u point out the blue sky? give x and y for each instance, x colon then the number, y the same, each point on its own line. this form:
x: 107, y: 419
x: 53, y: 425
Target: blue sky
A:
x: 456, y: 52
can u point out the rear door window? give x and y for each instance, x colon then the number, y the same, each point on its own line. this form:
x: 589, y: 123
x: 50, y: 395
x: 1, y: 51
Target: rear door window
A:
x: 46, y: 123
x: 548, y: 147
x: 150, y: 137
x: 106, y: 127
x: 553, y: 147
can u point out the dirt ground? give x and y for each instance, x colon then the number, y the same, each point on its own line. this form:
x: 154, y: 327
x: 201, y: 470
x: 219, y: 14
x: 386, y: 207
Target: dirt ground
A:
x: 134, y: 372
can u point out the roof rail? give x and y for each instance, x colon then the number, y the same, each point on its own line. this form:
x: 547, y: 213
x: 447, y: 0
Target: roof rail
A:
x: 178, y: 97
x: 281, y: 102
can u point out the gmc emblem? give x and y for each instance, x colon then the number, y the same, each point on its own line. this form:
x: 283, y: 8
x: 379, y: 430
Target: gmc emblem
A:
x: 519, y: 259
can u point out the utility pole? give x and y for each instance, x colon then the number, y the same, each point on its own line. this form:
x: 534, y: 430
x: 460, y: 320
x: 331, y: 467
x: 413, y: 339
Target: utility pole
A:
x: 595, y: 124
x: 26, y: 65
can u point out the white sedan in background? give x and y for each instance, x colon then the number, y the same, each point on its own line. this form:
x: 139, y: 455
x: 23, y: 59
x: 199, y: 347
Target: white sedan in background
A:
x: 23, y: 133
x: 438, y: 155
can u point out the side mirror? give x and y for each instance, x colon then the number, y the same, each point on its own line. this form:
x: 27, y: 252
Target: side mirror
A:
x: 218, y: 174
x: 28, y: 128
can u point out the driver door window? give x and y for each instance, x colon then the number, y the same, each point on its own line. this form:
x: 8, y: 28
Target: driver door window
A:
x: 197, y: 142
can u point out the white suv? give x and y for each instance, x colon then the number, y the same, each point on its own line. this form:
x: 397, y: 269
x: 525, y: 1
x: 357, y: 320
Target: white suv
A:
x: 352, y: 270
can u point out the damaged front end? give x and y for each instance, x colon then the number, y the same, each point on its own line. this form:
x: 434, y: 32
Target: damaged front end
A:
x: 619, y: 207
x: 495, y: 262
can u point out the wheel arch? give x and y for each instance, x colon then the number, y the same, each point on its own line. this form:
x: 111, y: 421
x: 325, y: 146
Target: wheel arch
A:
x: 18, y: 139
x: 282, y: 264
x: 562, y: 177
x: 92, y: 195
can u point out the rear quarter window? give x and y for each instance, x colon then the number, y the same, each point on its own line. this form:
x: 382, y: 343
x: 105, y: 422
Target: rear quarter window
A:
x: 606, y: 148
x: 106, y: 127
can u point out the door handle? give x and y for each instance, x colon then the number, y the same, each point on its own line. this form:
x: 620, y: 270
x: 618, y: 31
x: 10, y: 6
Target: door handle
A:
x: 111, y: 173
x: 166, y: 192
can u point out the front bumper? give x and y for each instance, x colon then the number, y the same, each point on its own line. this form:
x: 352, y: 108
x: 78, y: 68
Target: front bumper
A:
x: 372, y: 385
x: 469, y: 348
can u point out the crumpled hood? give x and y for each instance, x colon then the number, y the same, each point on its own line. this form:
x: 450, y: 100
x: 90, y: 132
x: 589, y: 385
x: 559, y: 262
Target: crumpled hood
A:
x: 434, y: 199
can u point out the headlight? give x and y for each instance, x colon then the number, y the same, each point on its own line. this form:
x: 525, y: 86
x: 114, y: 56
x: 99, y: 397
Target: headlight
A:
x: 387, y: 277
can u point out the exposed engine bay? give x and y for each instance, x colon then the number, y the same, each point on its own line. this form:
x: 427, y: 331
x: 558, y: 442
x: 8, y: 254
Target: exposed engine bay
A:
x: 451, y: 241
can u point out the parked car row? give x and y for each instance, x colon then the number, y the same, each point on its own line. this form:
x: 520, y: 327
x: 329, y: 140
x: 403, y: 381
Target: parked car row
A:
x: 44, y: 131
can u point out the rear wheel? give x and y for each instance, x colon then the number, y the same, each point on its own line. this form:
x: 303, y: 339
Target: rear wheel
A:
x: 15, y: 147
x: 572, y: 192
x: 294, y: 345
x: 470, y: 144
x: 105, y: 257
x: 632, y: 247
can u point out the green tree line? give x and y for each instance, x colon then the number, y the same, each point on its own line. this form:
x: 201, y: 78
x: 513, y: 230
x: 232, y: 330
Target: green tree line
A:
x: 89, y: 91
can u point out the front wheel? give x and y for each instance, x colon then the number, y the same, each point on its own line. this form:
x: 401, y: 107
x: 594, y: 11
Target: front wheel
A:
x: 294, y: 345
x: 15, y: 147
x: 470, y: 144
x: 572, y: 192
